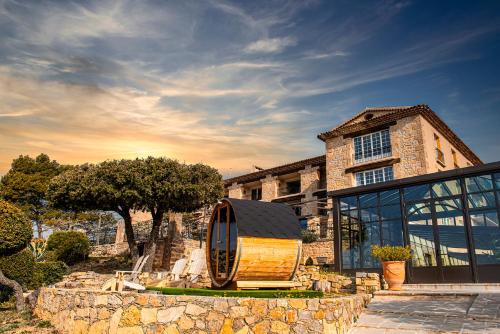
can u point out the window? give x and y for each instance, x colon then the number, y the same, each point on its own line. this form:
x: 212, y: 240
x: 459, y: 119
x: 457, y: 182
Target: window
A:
x: 293, y: 187
x: 439, y: 153
x: 256, y: 194
x: 455, y: 160
x: 374, y: 176
x: 372, y: 146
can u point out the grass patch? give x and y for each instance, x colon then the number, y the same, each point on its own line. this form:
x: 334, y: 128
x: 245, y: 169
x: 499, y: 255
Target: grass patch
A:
x: 242, y: 293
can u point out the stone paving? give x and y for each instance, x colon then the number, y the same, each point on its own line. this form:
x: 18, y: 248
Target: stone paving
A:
x: 431, y: 313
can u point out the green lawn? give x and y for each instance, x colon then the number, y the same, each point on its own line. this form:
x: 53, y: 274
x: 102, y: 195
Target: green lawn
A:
x: 242, y: 293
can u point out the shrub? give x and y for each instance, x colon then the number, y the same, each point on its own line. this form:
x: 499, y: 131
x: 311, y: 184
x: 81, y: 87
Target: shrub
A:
x: 309, y: 236
x: 309, y: 261
x: 18, y: 267
x: 47, y: 273
x: 68, y: 246
x: 391, y: 253
x: 15, y: 229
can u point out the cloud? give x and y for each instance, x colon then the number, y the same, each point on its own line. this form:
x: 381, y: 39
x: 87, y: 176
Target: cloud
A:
x: 316, y: 56
x: 270, y: 45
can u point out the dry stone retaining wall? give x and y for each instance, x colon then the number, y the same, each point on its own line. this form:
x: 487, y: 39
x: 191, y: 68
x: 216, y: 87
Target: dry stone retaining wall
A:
x: 87, y: 311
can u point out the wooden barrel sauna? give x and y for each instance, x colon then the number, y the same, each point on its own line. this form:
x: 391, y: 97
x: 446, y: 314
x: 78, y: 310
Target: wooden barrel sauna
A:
x: 250, y: 241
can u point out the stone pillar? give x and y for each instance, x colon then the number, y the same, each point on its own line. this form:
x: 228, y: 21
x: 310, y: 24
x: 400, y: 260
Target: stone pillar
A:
x: 270, y: 186
x: 120, y: 232
x: 236, y: 191
x: 309, y: 181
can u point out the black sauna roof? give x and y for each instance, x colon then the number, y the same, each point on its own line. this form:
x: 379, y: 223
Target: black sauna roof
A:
x: 265, y: 219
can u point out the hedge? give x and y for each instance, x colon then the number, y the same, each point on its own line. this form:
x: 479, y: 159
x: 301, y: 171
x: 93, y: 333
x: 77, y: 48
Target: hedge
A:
x: 15, y: 229
x: 18, y: 267
x: 47, y: 273
x: 68, y: 246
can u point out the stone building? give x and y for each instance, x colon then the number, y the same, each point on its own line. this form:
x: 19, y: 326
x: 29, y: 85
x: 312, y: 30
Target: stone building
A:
x: 376, y: 145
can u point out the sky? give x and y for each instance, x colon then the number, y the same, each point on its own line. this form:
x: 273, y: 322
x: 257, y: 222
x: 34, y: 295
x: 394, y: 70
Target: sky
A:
x: 236, y: 84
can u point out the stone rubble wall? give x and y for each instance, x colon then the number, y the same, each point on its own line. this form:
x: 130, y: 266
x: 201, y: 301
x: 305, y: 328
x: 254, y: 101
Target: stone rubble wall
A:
x: 109, y: 250
x: 367, y: 282
x: 311, y: 278
x: 86, y: 311
x: 316, y: 249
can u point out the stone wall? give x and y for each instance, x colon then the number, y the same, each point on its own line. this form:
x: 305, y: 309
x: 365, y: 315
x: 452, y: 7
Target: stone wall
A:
x: 367, y: 282
x: 109, y: 250
x: 311, y: 278
x: 85, y: 311
x: 338, y: 158
x: 408, y: 144
x: 270, y: 186
x: 316, y: 249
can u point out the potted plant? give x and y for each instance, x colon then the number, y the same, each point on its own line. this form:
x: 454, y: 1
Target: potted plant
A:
x: 393, y: 263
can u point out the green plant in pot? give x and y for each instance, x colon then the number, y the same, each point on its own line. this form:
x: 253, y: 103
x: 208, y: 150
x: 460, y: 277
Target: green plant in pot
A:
x: 393, y: 263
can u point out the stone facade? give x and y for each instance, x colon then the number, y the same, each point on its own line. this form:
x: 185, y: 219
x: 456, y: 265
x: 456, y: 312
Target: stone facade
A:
x: 85, y: 311
x: 270, y: 186
x: 309, y: 182
x: 338, y: 158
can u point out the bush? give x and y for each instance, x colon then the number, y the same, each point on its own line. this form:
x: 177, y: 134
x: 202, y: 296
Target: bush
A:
x: 15, y: 229
x: 391, y: 253
x: 309, y: 261
x: 309, y: 236
x: 18, y: 267
x: 47, y: 273
x: 68, y: 246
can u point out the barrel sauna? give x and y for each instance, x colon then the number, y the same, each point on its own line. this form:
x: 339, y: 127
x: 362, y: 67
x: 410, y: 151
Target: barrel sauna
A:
x: 252, y: 241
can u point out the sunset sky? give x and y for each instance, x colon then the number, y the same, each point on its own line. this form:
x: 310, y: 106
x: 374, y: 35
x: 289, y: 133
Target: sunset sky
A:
x: 234, y: 84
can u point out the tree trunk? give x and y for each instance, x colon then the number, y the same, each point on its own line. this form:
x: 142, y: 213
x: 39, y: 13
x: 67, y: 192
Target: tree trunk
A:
x: 18, y: 291
x: 129, y: 232
x: 153, y: 238
x: 39, y: 228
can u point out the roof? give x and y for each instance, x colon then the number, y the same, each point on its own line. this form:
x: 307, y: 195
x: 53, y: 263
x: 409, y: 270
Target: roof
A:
x: 420, y: 179
x: 265, y: 219
x: 279, y: 170
x: 391, y: 114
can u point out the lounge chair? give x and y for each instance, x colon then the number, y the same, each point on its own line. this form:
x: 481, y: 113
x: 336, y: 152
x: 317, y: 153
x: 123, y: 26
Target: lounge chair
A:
x: 131, y: 281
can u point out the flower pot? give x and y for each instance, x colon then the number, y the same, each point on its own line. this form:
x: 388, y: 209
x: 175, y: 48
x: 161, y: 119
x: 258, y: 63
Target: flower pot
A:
x: 394, y: 274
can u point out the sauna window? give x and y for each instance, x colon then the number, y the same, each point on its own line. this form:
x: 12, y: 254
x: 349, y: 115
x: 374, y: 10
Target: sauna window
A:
x: 233, y: 237
x: 222, y: 239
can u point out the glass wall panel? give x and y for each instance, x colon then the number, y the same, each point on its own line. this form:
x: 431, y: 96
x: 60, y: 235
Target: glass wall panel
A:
x: 446, y: 188
x: 479, y: 183
x: 368, y: 200
x: 392, y: 232
x: 481, y: 200
x: 369, y: 235
x: 417, y: 193
x: 390, y: 197
x: 421, y: 235
x: 390, y: 211
x: 486, y: 235
x: 452, y: 237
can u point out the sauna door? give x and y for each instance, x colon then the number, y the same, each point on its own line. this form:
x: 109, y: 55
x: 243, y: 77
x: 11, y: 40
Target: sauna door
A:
x: 223, y: 242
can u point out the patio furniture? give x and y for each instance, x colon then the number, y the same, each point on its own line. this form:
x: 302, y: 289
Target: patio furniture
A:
x: 127, y: 278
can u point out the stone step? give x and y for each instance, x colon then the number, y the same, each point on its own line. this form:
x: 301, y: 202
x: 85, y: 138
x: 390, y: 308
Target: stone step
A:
x: 459, y: 287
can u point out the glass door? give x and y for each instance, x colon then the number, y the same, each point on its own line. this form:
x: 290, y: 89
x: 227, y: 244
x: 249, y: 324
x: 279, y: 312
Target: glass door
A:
x: 223, y: 242
x: 438, y: 239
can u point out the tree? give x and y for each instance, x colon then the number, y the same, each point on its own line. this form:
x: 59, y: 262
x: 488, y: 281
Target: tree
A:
x: 25, y: 184
x: 165, y: 185
x: 15, y: 234
x: 108, y: 186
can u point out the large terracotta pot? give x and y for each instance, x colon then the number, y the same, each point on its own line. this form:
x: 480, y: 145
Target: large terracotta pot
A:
x: 394, y: 274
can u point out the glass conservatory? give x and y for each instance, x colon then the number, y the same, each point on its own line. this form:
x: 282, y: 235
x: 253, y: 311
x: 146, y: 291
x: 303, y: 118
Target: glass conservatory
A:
x: 449, y: 219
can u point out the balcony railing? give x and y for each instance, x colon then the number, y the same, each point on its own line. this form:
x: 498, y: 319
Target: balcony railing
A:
x: 359, y: 160
x: 440, y: 156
